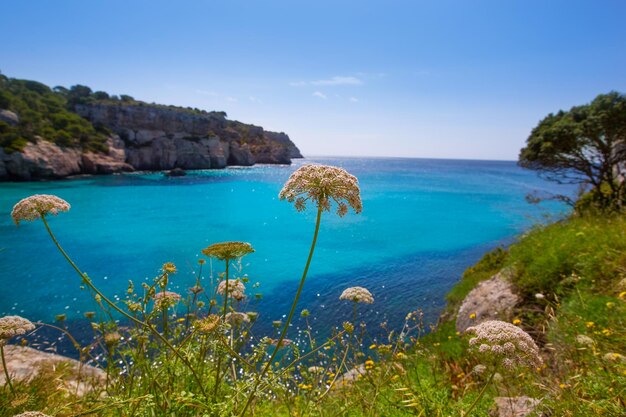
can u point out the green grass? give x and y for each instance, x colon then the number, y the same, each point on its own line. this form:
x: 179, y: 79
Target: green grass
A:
x: 581, y: 252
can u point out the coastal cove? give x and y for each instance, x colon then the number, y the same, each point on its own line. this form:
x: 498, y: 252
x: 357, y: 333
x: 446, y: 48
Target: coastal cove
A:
x: 423, y: 223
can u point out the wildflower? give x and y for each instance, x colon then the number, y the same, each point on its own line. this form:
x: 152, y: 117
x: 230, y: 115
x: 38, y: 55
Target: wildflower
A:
x: 614, y: 357
x: 227, y: 250
x: 208, y: 324
x: 235, y: 289
x: 321, y: 184
x: 590, y: 324
x: 582, y: 339
x: 373, y: 346
x: 252, y: 315
x: 237, y: 319
x: 472, y: 316
x: 369, y: 364
x: 622, y: 294
x: 165, y: 299
x: 400, y: 356
x: 508, y: 344
x: 284, y: 343
x: 201, y: 261
x: 610, y: 305
x: 517, y: 321
x: 112, y: 338
x: 348, y: 327
x: 33, y: 207
x: 196, y: 289
x: 89, y: 314
x: 169, y: 268
x: 11, y: 326
x: 607, y: 332
x: 539, y: 296
x: 357, y: 294
x: 277, y: 323
x: 305, y: 313
x: 315, y: 369
x: 479, y: 369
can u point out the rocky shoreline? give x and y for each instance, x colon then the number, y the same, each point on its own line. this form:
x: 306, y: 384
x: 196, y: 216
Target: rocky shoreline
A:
x: 147, y: 137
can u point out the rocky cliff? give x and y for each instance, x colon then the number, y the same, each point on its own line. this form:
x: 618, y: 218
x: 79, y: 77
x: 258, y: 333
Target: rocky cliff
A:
x: 150, y: 137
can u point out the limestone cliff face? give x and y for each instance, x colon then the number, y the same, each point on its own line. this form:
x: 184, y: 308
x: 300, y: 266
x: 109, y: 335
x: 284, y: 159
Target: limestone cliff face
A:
x: 158, y: 137
x: 44, y: 159
x: 147, y: 137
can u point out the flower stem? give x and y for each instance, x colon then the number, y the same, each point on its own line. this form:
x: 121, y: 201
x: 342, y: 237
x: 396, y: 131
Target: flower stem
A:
x: 291, y: 313
x: 219, y: 357
x: 480, y: 395
x: 6, y: 370
x: 88, y: 282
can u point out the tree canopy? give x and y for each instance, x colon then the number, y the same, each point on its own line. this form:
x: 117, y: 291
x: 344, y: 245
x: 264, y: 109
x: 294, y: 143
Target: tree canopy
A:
x: 585, y: 145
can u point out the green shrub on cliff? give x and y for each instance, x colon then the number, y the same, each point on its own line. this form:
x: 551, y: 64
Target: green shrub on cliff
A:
x: 43, y: 113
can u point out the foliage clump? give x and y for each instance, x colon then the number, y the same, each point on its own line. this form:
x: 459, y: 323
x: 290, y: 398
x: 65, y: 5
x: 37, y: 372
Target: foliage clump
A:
x: 585, y: 145
x: 47, y: 114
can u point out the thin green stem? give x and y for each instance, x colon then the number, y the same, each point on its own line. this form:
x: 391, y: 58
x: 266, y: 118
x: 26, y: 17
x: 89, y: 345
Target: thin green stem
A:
x: 6, y: 370
x: 480, y: 395
x: 88, y: 282
x: 291, y: 313
x: 219, y: 357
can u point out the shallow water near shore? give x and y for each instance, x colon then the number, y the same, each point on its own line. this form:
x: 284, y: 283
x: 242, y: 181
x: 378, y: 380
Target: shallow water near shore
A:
x: 423, y: 222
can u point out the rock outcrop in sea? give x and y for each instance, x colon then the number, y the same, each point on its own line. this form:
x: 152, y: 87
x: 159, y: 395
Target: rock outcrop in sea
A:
x: 150, y: 137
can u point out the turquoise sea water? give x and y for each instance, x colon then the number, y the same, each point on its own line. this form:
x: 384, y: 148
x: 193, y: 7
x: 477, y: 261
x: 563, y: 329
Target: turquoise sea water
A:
x: 423, y: 222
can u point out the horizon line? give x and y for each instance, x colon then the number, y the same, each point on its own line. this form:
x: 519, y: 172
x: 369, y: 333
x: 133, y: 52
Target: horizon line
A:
x: 405, y: 157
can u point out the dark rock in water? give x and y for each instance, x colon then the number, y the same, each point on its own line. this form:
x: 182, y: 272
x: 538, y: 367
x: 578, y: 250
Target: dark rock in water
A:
x: 176, y: 172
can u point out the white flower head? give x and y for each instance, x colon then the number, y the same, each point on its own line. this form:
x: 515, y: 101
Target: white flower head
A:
x: 358, y: 295
x: 506, y: 344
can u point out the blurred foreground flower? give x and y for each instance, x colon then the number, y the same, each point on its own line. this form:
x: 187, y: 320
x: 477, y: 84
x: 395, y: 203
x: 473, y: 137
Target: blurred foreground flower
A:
x: 33, y: 207
x: 321, y: 184
x: 237, y: 319
x: 207, y: 324
x: 11, y: 326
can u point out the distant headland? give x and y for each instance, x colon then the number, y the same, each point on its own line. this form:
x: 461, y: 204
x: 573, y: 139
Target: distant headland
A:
x: 48, y: 133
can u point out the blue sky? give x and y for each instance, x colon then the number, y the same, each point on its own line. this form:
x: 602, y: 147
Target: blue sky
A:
x: 444, y: 79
